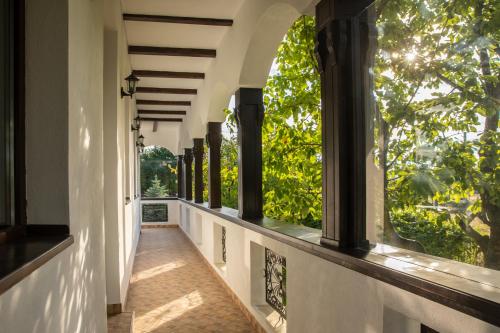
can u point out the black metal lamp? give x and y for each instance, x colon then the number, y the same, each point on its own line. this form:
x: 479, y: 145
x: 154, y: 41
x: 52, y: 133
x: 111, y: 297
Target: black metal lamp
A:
x: 140, y: 140
x: 140, y: 143
x: 137, y: 124
x: 131, y: 85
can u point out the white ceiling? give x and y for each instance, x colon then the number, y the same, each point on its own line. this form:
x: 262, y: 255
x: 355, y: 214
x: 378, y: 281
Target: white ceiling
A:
x: 161, y: 63
x: 253, y: 20
x: 193, y: 8
x: 173, y: 83
x: 165, y: 97
x: 163, y: 107
x: 178, y: 35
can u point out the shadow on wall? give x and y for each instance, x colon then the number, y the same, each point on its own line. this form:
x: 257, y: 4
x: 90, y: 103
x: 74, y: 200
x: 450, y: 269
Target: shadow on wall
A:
x: 67, y: 294
x: 58, y: 297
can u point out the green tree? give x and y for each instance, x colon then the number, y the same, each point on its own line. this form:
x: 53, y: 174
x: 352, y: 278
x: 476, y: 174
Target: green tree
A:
x: 205, y: 173
x: 435, y: 127
x: 157, y: 190
x: 291, y: 135
x: 161, y: 163
x: 291, y: 132
x: 229, y: 164
x: 437, y: 88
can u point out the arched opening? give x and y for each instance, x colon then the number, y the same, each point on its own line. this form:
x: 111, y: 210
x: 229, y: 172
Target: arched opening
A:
x: 291, y: 134
x: 158, y: 179
x: 269, y: 31
x: 158, y: 175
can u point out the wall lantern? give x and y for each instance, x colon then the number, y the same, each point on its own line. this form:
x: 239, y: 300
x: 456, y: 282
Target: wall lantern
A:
x: 140, y: 143
x: 131, y: 85
x: 137, y: 124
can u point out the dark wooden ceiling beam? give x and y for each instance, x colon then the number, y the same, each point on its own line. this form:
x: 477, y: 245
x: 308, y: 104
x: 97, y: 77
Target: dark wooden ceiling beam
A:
x: 170, y: 75
x: 178, y: 91
x: 171, y: 51
x: 157, y: 102
x: 178, y: 19
x: 174, y: 120
x: 162, y: 112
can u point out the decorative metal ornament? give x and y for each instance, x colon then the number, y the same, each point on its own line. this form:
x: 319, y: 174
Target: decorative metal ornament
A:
x: 224, y: 259
x: 275, y: 274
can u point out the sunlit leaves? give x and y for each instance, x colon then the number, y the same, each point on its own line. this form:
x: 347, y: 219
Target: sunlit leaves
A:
x: 291, y: 134
x: 436, y: 81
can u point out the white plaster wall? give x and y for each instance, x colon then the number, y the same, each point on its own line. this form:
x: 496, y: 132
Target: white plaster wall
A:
x: 173, y: 210
x: 131, y: 230
x: 167, y: 135
x: 65, y: 173
x: 47, y: 103
x: 322, y: 296
x: 112, y: 170
x: 122, y: 224
x: 65, y: 168
x: 85, y: 156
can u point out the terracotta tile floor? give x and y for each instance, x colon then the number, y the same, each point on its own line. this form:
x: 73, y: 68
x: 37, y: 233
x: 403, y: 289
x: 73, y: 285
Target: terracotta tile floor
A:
x: 121, y: 323
x: 172, y: 289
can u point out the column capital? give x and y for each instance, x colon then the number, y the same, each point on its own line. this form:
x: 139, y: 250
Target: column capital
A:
x: 214, y: 134
x: 249, y: 107
x: 198, y: 144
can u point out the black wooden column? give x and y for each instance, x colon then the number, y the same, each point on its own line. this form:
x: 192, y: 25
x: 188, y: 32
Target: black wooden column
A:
x: 249, y: 114
x: 188, y: 174
x: 180, y: 177
x: 342, y: 46
x: 198, y: 146
x: 214, y: 141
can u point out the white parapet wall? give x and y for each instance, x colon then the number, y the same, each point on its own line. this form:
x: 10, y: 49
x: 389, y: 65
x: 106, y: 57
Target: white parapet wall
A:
x: 172, y: 211
x: 321, y: 296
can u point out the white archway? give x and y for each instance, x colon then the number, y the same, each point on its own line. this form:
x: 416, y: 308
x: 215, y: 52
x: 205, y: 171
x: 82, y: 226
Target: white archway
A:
x: 261, y: 51
x: 244, y: 58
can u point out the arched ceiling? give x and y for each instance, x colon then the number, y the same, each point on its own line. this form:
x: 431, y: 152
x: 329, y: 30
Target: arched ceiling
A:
x: 191, y: 56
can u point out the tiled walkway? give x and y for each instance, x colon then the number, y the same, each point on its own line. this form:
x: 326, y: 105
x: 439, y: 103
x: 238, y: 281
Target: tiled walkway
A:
x: 172, y: 289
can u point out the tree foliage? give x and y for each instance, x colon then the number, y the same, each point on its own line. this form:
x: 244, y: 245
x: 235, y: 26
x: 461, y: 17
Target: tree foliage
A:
x: 434, y: 127
x: 229, y: 176
x: 291, y: 134
x: 437, y: 88
x: 156, y: 190
x: 160, y: 163
x: 229, y: 163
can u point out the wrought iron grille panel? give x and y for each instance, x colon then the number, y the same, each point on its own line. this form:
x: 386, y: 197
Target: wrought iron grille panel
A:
x: 224, y: 244
x: 155, y: 213
x: 275, y: 272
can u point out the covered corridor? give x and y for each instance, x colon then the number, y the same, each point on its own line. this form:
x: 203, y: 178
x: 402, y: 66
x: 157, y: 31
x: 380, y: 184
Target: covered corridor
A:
x: 173, y: 290
x: 393, y: 226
